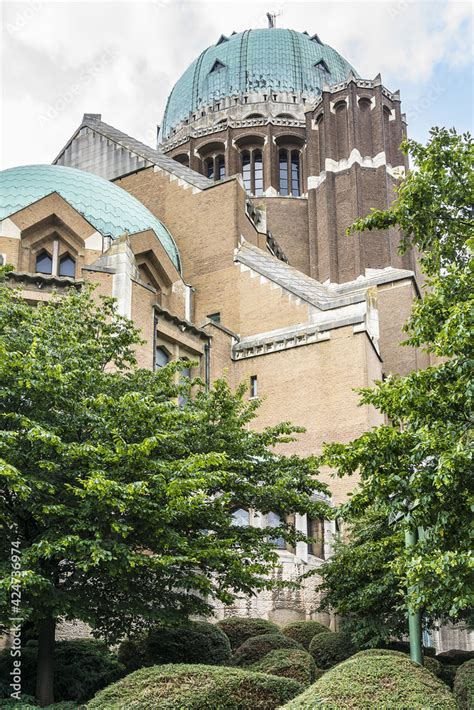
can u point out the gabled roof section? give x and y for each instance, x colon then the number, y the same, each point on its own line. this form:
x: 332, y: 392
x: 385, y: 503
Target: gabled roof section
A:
x: 323, y: 296
x: 287, y: 277
x: 144, y: 154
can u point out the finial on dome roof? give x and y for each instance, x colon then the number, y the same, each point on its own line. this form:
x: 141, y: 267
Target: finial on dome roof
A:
x: 272, y: 19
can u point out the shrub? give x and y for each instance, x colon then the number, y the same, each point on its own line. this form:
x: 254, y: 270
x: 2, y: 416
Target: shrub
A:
x: 455, y: 657
x: 256, y: 648
x: 431, y: 664
x: 82, y: 667
x: 447, y: 673
x: 405, y: 647
x: 193, y: 642
x: 464, y: 686
x: 29, y: 703
x: 196, y: 687
x: 238, y: 629
x: 385, y: 681
x: 303, y: 631
x: 330, y: 648
x: 288, y: 663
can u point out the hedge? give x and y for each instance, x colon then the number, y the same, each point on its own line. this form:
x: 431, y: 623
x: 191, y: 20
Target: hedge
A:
x: 447, y: 673
x: 455, y: 657
x: 289, y: 663
x: 82, y: 667
x: 431, y: 664
x: 238, y: 629
x: 331, y: 648
x: 193, y: 642
x: 303, y: 631
x: 256, y: 648
x: 464, y: 686
x: 385, y: 681
x: 27, y: 702
x: 196, y: 687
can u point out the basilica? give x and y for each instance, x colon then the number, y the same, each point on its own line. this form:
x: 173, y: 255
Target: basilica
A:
x: 226, y: 244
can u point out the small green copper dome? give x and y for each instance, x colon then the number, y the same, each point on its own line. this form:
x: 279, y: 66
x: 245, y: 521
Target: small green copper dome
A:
x: 107, y: 207
x: 274, y: 59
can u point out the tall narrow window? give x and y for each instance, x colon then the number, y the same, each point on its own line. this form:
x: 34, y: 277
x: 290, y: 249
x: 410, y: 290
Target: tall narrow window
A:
x: 246, y: 171
x: 253, y: 386
x: 316, y: 531
x: 209, y: 168
x: 258, y: 173
x: 185, y: 376
x: 161, y: 357
x: 67, y: 266
x: 290, y: 172
x: 220, y: 167
x: 274, y: 521
x: 295, y: 173
x: 44, y: 263
x: 252, y: 171
x: 283, y: 161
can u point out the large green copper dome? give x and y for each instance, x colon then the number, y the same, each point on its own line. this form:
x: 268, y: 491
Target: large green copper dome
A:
x: 107, y: 207
x: 275, y: 59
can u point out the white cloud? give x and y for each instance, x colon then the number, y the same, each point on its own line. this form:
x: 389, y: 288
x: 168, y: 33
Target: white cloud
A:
x: 61, y: 59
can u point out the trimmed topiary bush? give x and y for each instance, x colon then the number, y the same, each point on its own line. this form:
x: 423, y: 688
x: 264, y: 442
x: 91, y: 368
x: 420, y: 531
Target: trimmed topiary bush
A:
x: 256, y: 648
x: 82, y: 667
x: 455, y: 657
x: 193, y: 642
x: 464, y: 686
x: 447, y: 673
x: 238, y: 629
x: 303, y: 631
x: 196, y: 687
x: 288, y: 663
x: 331, y: 648
x: 431, y: 664
x: 385, y: 681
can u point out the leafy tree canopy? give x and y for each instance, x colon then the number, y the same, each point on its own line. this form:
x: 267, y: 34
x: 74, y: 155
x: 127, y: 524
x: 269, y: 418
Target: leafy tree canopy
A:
x: 122, y: 500
x: 418, y: 466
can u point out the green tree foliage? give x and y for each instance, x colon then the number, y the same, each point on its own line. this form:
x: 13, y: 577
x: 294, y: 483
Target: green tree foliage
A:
x: 120, y: 499
x: 419, y: 464
x: 360, y: 583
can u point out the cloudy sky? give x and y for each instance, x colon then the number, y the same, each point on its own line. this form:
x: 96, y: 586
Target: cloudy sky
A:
x: 62, y: 59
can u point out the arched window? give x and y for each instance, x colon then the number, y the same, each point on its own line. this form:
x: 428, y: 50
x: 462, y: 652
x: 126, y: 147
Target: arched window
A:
x: 290, y: 172
x: 44, y: 263
x: 252, y: 171
x: 67, y: 266
x: 161, y: 357
x: 241, y: 518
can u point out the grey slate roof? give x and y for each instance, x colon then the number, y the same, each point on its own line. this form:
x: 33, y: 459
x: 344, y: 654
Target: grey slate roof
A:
x: 291, y: 279
x: 322, y: 296
x: 152, y: 156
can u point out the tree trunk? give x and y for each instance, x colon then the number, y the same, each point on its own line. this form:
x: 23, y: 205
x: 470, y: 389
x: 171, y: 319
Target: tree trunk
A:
x: 45, y: 665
